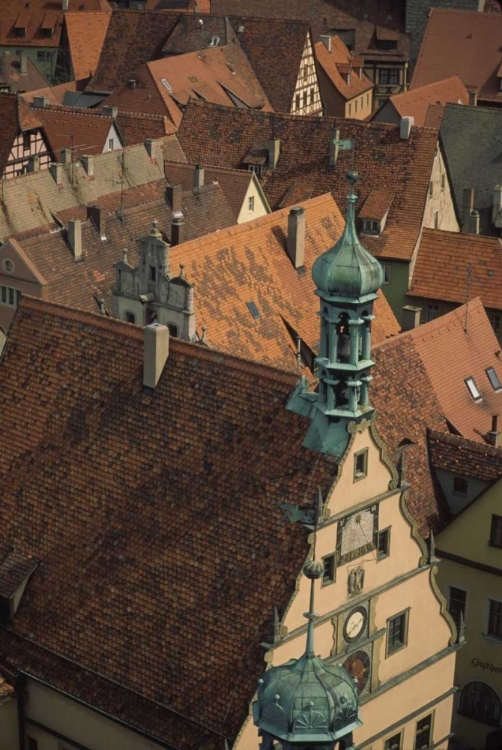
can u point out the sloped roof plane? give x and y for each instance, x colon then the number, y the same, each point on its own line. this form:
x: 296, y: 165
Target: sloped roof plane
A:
x: 415, y: 102
x: 86, y: 34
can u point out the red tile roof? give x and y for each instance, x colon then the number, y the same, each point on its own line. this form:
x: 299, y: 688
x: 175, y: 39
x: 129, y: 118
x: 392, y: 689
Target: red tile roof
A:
x: 86, y: 34
x: 377, y: 205
x: 222, y: 137
x: 85, y: 131
x: 135, y: 127
x: 462, y: 43
x: 442, y: 264
x: 416, y: 101
x: 434, y: 116
x: 54, y: 94
x: 148, y: 511
x: 331, y: 63
x: 466, y: 458
x: 41, y: 14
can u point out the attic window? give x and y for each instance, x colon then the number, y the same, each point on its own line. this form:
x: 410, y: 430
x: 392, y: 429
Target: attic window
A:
x: 166, y: 84
x: 473, y: 389
x: 255, y: 313
x: 370, y: 226
x: 215, y: 40
x: 493, y: 378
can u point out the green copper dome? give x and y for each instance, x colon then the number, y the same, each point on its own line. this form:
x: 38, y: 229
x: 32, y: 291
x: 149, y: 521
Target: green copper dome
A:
x: 348, y: 269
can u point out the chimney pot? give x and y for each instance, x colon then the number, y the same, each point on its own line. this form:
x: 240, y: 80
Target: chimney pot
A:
x: 474, y: 222
x: 411, y: 317
x: 75, y: 238
x: 333, y: 149
x: 34, y: 163
x: 23, y: 63
x: 296, y: 236
x: 174, y: 195
x: 155, y: 353
x: 177, y: 232
x: 494, y: 435
x: 326, y: 40
x: 56, y: 171
x: 405, y: 128
x: 88, y: 164
x: 274, y: 151
x: 198, y: 177
x: 64, y: 5
x: 65, y: 155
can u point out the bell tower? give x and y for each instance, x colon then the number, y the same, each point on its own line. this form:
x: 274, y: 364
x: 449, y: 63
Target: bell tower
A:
x: 347, y: 278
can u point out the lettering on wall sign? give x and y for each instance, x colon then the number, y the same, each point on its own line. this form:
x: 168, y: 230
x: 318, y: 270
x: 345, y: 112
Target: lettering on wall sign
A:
x: 486, y: 666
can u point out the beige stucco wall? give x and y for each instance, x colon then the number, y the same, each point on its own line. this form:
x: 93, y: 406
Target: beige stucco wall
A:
x: 364, y: 105
x: 260, y: 208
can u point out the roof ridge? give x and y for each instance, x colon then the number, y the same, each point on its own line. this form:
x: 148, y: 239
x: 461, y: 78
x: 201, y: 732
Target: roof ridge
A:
x: 474, y: 445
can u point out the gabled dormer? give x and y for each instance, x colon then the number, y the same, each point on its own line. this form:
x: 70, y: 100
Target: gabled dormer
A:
x: 15, y: 572
x: 373, y: 214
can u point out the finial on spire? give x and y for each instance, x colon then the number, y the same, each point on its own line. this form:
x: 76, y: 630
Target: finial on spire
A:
x: 124, y: 252
x: 311, y: 570
x: 154, y: 231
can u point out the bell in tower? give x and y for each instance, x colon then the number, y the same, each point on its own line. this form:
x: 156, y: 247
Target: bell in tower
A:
x: 347, y: 278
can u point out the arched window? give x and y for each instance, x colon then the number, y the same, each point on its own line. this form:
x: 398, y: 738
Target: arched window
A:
x: 173, y: 330
x: 342, y: 329
x: 479, y: 701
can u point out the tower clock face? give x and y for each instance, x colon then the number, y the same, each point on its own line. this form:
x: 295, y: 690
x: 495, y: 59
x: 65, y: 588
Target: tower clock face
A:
x: 355, y: 624
x: 358, y: 664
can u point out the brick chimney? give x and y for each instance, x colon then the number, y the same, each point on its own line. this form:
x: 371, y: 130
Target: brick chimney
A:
x: 97, y: 215
x: 65, y: 155
x: 174, y: 196
x: 474, y: 222
x: 198, y: 177
x: 296, y: 237
x: 467, y: 208
x: 177, y: 232
x: 75, y: 238
x: 151, y: 148
x: 405, y: 127
x: 411, y: 317
x: 155, y: 353
x: 334, y: 135
x: 88, y: 164
x: 326, y: 40
x: 56, y: 171
x: 64, y: 5
x: 494, y: 435
x: 34, y: 163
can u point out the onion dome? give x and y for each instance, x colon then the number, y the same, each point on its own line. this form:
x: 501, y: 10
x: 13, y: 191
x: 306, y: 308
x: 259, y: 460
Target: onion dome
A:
x: 307, y: 702
x: 348, y: 269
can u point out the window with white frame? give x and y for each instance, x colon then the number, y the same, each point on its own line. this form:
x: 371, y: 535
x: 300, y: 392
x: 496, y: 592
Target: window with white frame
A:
x: 251, y: 204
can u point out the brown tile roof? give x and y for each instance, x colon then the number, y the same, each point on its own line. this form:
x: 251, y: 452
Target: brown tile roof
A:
x: 15, y: 117
x: 40, y: 14
x: 133, y: 38
x: 76, y: 284
x: 85, y: 131
x: 358, y: 15
x: 14, y: 570
x: 434, y: 116
x: 221, y: 75
x: 416, y: 101
x: 233, y: 182
x: 135, y: 127
x: 222, y: 137
x: 189, y: 35
x: 464, y: 457
x: 377, y: 204
x: 86, y: 34
x: 54, y: 94
x: 119, y: 544
x: 331, y: 63
x: 10, y: 74
x: 461, y: 43
x: 443, y: 260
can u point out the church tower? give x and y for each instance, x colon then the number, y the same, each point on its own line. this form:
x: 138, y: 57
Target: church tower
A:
x: 347, y: 278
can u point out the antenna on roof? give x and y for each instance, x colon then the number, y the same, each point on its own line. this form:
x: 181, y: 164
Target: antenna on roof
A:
x: 468, y: 294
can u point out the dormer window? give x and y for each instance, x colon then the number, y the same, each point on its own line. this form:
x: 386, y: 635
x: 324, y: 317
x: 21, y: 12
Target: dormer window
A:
x: 473, y: 389
x: 370, y: 226
x: 215, y: 40
x: 493, y: 378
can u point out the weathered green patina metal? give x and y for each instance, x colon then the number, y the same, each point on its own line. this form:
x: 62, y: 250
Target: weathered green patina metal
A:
x: 307, y: 703
x: 348, y: 269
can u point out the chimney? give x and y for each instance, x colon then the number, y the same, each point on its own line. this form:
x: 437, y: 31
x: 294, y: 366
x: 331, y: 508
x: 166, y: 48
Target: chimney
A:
x: 177, y: 232
x: 198, y: 177
x: 65, y: 155
x: 474, y: 222
x: 296, y: 237
x: 174, y: 195
x: 131, y: 84
x: 411, y: 317
x: 75, y: 238
x: 274, y: 151
x: 155, y: 353
x: 23, y: 63
x: 467, y: 207
x: 40, y: 101
x: 88, y: 164
x: 333, y: 149
x: 34, y: 163
x: 97, y: 215
x: 151, y: 148
x: 405, y: 128
x: 494, y: 435
x: 326, y: 40
x: 473, y: 98
x: 497, y: 202
x: 64, y: 5
x: 56, y: 171
x: 108, y: 111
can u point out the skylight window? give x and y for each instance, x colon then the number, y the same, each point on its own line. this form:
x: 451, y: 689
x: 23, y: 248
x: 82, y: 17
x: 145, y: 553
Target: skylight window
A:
x: 494, y: 379
x: 473, y: 389
x: 166, y: 84
x: 253, y: 310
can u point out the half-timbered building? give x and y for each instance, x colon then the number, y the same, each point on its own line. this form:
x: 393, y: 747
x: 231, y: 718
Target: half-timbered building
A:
x: 23, y: 145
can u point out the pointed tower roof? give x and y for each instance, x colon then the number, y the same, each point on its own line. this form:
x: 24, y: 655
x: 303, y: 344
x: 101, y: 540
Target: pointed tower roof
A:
x: 348, y: 269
